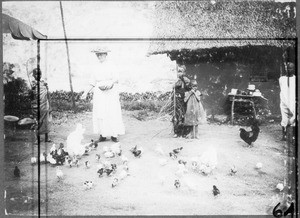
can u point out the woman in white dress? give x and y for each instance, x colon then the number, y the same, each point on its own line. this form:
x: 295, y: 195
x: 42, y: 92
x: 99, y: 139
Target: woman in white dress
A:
x: 107, y: 115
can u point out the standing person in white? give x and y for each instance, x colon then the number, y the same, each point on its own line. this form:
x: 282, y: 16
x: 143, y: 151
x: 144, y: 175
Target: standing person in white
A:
x: 107, y: 115
x: 287, y: 83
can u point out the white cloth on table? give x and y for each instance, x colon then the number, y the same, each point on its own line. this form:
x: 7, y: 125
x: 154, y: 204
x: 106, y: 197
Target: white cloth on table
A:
x: 287, y: 100
x: 107, y: 114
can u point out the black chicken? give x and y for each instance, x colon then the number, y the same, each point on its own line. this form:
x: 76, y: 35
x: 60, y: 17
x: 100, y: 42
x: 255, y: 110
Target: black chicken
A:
x: 177, y: 183
x: 177, y: 150
x: 100, y: 172
x: 173, y: 155
x: 136, y: 152
x: 182, y: 162
x: 108, y: 171
x: 251, y: 136
x: 114, y: 167
x: 17, y: 172
x: 216, y: 191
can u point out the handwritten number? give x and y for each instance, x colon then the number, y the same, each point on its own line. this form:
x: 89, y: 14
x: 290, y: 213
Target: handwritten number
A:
x: 290, y: 210
x: 277, y: 213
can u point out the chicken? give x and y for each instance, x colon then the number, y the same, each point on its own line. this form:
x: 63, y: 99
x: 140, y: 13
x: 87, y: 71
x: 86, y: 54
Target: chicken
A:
x: 109, y: 154
x: 173, y: 155
x: 124, y: 159
x: 233, y: 170
x: 182, y: 162
x: 17, y: 172
x: 123, y: 174
x: 51, y: 159
x: 33, y: 160
x: 280, y: 186
x: 136, y: 152
x: 88, y: 184
x: 177, y: 150
x: 115, y: 182
x: 125, y: 167
x: 74, y: 146
x: 100, y: 171
x: 87, y: 164
x: 116, y: 148
x: 251, y: 136
x: 98, y: 157
x: 53, y: 148
x: 114, y: 167
x: 209, y: 158
x: 258, y: 166
x: 181, y: 170
x: 43, y: 158
x: 59, y: 173
x: 216, y: 191
x: 75, y: 161
x: 108, y: 172
x: 177, y: 183
x: 68, y: 161
x: 194, y: 165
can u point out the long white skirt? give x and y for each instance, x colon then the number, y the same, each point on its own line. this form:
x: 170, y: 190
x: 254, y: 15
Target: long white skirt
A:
x: 107, y: 114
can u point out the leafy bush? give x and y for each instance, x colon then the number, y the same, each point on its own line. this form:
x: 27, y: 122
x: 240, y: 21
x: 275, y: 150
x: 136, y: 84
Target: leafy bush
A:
x: 17, y: 99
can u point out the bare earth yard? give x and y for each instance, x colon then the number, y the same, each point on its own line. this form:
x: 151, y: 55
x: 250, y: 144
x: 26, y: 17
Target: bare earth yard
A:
x: 149, y: 190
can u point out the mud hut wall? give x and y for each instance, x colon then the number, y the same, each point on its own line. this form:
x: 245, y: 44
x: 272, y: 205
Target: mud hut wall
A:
x: 215, y: 81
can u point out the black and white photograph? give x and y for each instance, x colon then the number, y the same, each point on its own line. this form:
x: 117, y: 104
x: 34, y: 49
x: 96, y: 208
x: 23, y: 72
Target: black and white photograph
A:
x: 147, y: 108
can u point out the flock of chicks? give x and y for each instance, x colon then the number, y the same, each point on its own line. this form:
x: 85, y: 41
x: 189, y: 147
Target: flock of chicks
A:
x: 58, y: 156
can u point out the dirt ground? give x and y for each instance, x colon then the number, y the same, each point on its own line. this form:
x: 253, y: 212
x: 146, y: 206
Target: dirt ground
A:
x: 149, y: 190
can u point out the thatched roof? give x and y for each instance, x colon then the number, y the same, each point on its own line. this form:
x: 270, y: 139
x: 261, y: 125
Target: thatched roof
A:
x: 242, y: 21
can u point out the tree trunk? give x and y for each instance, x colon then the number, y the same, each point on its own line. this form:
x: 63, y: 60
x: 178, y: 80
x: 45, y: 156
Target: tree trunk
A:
x: 68, y: 55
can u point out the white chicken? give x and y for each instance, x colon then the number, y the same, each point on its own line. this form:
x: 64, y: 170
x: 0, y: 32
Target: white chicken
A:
x: 123, y: 174
x: 53, y: 148
x: 280, y: 186
x: 51, y: 159
x: 258, y: 166
x: 42, y: 158
x: 209, y: 158
x: 74, y: 146
x: 109, y: 154
x: 181, y: 170
x: 124, y: 159
x: 59, y: 173
x: 33, y: 160
x: 116, y: 148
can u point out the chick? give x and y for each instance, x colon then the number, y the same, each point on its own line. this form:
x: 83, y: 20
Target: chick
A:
x: 136, y: 152
x: 87, y: 164
x: 124, y: 159
x: 182, y: 162
x: 123, y: 174
x: 68, y: 161
x: 17, y: 172
x: 88, y: 184
x: 33, y: 160
x: 177, y: 183
x: 98, y: 157
x: 173, y: 155
x: 177, y: 150
x: 43, y: 158
x: 115, y: 182
x: 59, y: 173
x: 216, y: 191
x: 53, y: 148
x: 100, y: 172
x: 75, y: 161
x: 108, y: 172
x: 233, y: 170
x: 114, y: 167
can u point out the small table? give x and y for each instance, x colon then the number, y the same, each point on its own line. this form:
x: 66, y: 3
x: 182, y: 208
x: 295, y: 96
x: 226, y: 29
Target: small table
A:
x: 243, y: 98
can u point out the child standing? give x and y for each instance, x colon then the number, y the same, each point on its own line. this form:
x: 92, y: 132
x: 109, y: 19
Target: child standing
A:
x: 195, y: 113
